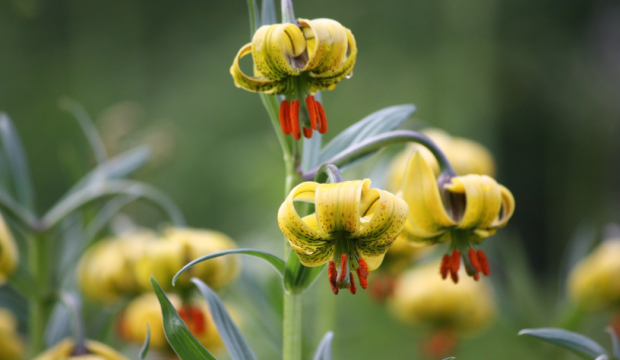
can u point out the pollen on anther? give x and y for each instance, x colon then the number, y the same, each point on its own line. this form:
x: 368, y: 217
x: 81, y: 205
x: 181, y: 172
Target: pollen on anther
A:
x: 331, y: 275
x: 343, y: 268
x: 484, y: 263
x: 362, y: 273
x: 311, y: 105
x: 285, y: 121
x: 473, y: 258
x: 307, y: 133
x: 352, y: 288
x: 322, y: 118
x: 445, y: 266
x: 455, y: 261
x: 294, y: 119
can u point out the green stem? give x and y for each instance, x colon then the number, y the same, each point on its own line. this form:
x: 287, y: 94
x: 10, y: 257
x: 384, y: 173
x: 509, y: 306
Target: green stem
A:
x: 40, y: 306
x: 292, y: 326
x: 380, y: 141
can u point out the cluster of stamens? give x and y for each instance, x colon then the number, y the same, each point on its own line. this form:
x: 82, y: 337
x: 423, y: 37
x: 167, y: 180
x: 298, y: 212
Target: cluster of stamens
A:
x: 289, y: 118
x: 450, y: 264
x: 342, y: 278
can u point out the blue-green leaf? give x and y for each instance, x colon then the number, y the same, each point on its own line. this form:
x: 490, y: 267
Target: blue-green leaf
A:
x: 179, y: 337
x: 254, y: 16
x: 145, y: 347
x: 324, y: 351
x: 16, y: 159
x: 374, y: 124
x: 578, y: 344
x: 268, y: 13
x: 615, y: 342
x: 88, y: 127
x: 297, y: 277
x: 275, y: 261
x: 236, y: 344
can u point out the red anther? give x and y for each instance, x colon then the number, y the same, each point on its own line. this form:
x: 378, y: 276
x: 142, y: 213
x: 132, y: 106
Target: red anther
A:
x: 445, y: 266
x: 476, y: 276
x: 362, y: 272
x: 294, y: 118
x: 455, y: 276
x: 455, y: 261
x: 484, y: 263
x: 322, y: 118
x: 343, y: 268
x: 331, y: 275
x: 307, y: 132
x: 194, y: 319
x: 311, y: 105
x: 285, y: 121
x: 352, y: 288
x: 473, y: 258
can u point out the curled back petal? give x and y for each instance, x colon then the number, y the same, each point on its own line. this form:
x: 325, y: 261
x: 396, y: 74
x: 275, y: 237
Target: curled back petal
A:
x: 409, y: 233
x: 304, y: 238
x: 256, y: 84
x: 427, y: 215
x: 386, y: 220
x: 273, y: 47
x: 338, y: 205
x: 508, y: 208
x: 373, y: 257
x: 483, y: 200
x: 328, y: 80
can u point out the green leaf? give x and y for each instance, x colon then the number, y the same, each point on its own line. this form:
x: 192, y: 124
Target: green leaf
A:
x: 578, y: 344
x: 374, y: 124
x: 16, y: 159
x: 268, y: 13
x: 145, y: 347
x: 275, y: 261
x: 298, y: 277
x: 615, y: 342
x: 254, y: 16
x: 236, y: 344
x: 179, y: 337
x: 88, y: 127
x: 324, y: 351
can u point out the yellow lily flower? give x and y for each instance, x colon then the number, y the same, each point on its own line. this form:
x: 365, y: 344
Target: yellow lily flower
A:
x: 11, y: 346
x: 462, y: 209
x: 8, y: 252
x: 352, y: 229
x: 64, y: 350
x: 292, y: 59
x: 145, y: 309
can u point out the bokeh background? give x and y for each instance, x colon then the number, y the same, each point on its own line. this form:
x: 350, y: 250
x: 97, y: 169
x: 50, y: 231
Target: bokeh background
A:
x: 537, y: 82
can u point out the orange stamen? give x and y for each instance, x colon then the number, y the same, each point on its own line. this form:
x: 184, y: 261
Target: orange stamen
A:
x: 473, y: 258
x: 484, y: 263
x: 445, y: 266
x: 331, y: 275
x: 307, y: 133
x: 455, y: 277
x: 352, y: 288
x: 455, y: 261
x: 311, y: 105
x: 285, y: 122
x: 362, y: 273
x: 322, y: 118
x: 294, y: 119
x: 343, y: 268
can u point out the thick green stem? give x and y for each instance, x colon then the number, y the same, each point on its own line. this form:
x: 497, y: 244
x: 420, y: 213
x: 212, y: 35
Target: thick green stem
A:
x: 40, y: 306
x: 292, y: 327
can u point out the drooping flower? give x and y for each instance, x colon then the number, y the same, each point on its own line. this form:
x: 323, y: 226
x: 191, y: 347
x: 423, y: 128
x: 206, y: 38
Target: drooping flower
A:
x: 11, y: 346
x: 594, y: 284
x: 145, y: 309
x: 67, y: 350
x: 163, y: 258
x: 462, y: 209
x: 8, y: 252
x: 298, y: 60
x: 352, y: 228
x: 465, y: 156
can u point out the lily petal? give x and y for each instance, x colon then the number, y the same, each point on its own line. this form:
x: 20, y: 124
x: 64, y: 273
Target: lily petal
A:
x: 508, y: 208
x: 483, y: 200
x: 257, y: 84
x: 338, y: 205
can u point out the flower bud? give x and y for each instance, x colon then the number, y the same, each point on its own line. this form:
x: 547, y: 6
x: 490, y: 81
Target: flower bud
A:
x: 179, y: 246
x: 146, y: 310
x: 105, y: 272
x: 11, y: 346
x: 65, y: 350
x: 594, y: 283
x: 8, y: 252
x: 421, y: 298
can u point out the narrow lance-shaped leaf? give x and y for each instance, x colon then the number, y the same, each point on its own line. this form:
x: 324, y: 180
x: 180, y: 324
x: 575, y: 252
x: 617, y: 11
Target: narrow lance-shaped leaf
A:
x: 179, y: 337
x: 324, y: 351
x: 236, y: 344
x: 88, y: 127
x: 145, y: 347
x: 615, y: 342
x: 275, y: 261
x: 578, y: 344
x: 268, y: 12
x: 16, y: 159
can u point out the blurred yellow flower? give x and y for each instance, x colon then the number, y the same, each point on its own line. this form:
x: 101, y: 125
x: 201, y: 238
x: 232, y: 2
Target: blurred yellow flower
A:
x: 352, y: 228
x: 594, y: 284
x: 145, y: 309
x: 105, y: 272
x: 463, y: 209
x: 465, y: 156
x: 297, y: 60
x: 8, y: 252
x: 11, y: 346
x: 64, y: 350
x: 421, y: 298
x: 178, y: 246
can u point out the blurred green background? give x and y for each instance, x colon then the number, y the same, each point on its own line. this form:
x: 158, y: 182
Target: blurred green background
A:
x: 537, y: 82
